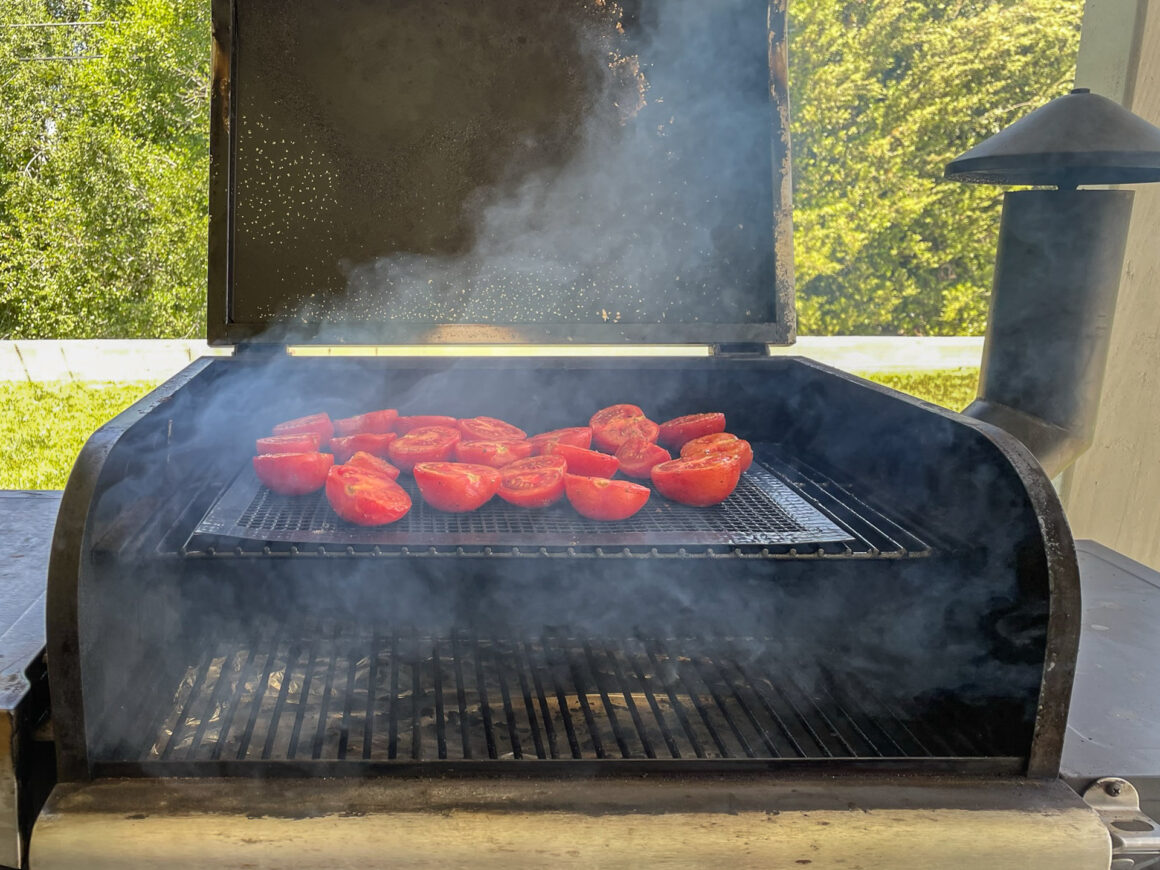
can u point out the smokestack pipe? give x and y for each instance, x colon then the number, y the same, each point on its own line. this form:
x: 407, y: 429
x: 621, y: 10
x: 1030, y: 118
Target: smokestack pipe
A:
x: 1057, y: 270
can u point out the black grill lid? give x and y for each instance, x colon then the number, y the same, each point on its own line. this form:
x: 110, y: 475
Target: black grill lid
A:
x: 1080, y: 138
x: 459, y: 170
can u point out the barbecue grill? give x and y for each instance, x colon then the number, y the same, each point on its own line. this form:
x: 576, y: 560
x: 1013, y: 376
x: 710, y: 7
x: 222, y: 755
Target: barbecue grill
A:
x: 864, y: 654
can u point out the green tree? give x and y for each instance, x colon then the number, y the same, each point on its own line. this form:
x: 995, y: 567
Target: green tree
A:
x: 103, y: 168
x: 883, y: 94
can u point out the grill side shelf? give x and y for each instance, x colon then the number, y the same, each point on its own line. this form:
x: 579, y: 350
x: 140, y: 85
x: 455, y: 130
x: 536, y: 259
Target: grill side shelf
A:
x: 777, y: 511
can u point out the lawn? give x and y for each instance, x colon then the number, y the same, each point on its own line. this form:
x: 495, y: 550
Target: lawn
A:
x: 44, y: 425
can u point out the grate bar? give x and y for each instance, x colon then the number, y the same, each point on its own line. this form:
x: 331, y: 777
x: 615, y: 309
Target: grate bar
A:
x: 279, y: 695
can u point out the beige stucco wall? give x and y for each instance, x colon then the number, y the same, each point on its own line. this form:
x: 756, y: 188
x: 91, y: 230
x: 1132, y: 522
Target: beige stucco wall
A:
x: 1112, y: 494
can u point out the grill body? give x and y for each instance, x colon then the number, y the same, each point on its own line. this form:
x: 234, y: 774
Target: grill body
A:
x: 934, y: 630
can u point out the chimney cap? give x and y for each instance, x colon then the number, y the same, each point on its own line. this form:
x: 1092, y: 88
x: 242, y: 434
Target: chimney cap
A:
x: 1080, y: 138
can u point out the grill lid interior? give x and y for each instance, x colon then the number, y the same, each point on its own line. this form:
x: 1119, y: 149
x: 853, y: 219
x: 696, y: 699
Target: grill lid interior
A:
x: 462, y: 171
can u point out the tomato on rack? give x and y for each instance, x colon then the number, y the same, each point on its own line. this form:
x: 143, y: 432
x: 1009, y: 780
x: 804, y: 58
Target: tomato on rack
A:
x: 303, y: 442
x: 614, y: 425
x: 426, y: 444
x: 577, y: 436
x: 677, y: 432
x: 580, y: 461
x: 293, y: 473
x: 721, y: 442
x: 490, y: 429
x: 637, y: 457
x: 374, y: 443
x: 456, y: 486
x: 533, y: 483
x: 319, y: 424
x: 700, y: 481
x: 365, y: 498
x: 601, y: 499
x: 372, y: 465
x: 403, y: 425
x: 494, y: 453
x: 376, y: 422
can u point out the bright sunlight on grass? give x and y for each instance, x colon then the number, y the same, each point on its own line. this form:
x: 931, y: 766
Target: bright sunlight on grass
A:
x: 45, y: 425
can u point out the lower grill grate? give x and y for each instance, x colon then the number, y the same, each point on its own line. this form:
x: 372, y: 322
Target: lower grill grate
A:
x: 352, y: 696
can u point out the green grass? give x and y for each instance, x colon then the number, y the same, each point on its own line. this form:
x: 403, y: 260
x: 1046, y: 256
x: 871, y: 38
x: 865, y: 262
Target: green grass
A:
x: 45, y: 425
x: 951, y: 388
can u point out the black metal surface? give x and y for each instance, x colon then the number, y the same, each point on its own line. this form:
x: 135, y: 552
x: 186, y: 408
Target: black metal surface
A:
x: 516, y: 186
x: 764, y: 511
x: 1080, y: 138
x: 338, y: 693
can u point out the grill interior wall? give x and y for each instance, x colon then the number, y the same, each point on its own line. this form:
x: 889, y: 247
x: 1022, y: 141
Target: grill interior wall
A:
x: 957, y: 637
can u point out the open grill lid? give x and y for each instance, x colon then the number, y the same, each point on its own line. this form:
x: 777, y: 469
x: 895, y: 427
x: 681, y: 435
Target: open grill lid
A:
x: 458, y: 171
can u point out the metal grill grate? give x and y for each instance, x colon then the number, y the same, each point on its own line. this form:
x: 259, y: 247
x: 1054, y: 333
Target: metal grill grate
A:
x: 763, y: 511
x: 343, y: 695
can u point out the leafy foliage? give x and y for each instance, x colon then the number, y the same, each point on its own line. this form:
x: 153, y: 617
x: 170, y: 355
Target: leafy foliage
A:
x: 104, y: 161
x: 103, y: 168
x: 883, y: 95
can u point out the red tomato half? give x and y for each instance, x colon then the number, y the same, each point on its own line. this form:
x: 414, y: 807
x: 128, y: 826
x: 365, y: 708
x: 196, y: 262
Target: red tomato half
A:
x: 601, y: 499
x: 456, y: 486
x: 676, y: 432
x: 403, y: 425
x: 699, y: 480
x: 637, y: 457
x: 374, y: 421
x: 293, y: 473
x: 586, y: 462
x: 427, y: 444
x: 376, y: 444
x: 490, y: 429
x: 577, y: 436
x: 533, y: 483
x: 612, y: 413
x: 372, y: 465
x: 722, y: 442
x: 303, y: 442
x: 319, y: 424
x: 494, y: 453
x: 364, y: 498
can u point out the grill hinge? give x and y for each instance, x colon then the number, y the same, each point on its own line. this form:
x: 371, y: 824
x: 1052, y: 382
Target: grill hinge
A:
x: 1135, y: 837
x: 734, y: 349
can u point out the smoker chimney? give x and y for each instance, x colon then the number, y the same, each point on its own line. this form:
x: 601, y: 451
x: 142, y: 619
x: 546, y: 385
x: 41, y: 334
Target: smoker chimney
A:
x: 1057, y: 269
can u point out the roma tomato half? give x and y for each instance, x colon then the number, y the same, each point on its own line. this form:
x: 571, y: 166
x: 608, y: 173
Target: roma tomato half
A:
x: 365, y: 498
x: 303, y: 442
x: 376, y: 444
x: 600, y: 499
x: 533, y: 483
x: 293, y: 473
x: 403, y: 425
x: 317, y: 423
x: 699, y: 481
x: 722, y: 442
x: 581, y: 461
x: 426, y: 444
x: 373, y: 465
x: 677, y: 432
x: 490, y: 429
x: 494, y: 453
x: 376, y: 422
x: 637, y: 457
x: 456, y: 486
x: 577, y: 436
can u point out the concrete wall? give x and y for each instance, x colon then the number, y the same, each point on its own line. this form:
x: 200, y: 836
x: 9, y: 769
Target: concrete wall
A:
x: 1113, y: 493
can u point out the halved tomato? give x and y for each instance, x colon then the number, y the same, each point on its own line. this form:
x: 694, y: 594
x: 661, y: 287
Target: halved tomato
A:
x: 427, y: 444
x: 601, y: 499
x: 456, y: 486
x: 374, y: 443
x: 317, y: 423
x: 619, y: 423
x: 293, y: 473
x: 372, y: 465
x: 699, y: 481
x: 580, y: 461
x: 490, y: 429
x: 637, y: 457
x: 494, y: 453
x: 403, y: 425
x: 365, y: 498
x: 303, y: 442
x: 721, y: 442
x: 676, y: 432
x: 373, y: 421
x: 577, y: 436
x: 533, y: 483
